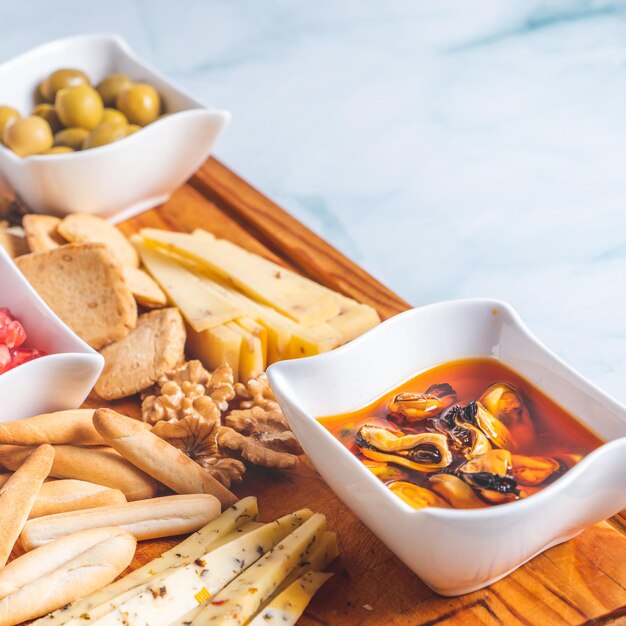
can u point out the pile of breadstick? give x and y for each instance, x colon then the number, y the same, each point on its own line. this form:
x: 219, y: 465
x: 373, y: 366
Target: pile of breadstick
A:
x: 80, y: 488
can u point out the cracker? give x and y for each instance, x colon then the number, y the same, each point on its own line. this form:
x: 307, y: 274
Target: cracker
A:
x: 41, y: 232
x: 12, y: 240
x: 133, y: 364
x: 144, y: 288
x: 85, y: 228
x: 84, y: 286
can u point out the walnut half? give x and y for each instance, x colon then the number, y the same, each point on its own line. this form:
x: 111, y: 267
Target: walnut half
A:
x: 186, y: 390
x: 253, y: 451
x: 197, y: 438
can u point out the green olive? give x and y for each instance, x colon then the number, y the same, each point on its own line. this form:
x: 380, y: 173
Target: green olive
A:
x: 7, y: 115
x: 48, y: 112
x: 132, y: 128
x: 62, y: 79
x: 71, y: 138
x: 113, y: 115
x: 110, y: 87
x: 28, y: 135
x: 39, y: 93
x: 140, y: 103
x: 79, y: 106
x: 59, y: 150
x: 104, y: 133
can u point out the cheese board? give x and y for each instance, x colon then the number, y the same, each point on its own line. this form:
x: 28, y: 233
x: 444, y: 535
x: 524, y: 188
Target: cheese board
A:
x: 581, y: 581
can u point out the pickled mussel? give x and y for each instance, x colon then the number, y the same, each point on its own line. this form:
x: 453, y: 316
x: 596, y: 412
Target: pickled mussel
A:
x: 385, y: 471
x: 495, y: 430
x: 416, y: 496
x: 423, y: 452
x: 455, y: 491
x: 491, y: 475
x: 506, y: 404
x: 464, y: 437
x: 411, y: 407
x: 532, y: 471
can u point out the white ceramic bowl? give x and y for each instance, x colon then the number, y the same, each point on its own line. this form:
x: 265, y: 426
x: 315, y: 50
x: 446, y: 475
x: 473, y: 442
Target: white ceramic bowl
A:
x: 60, y: 380
x: 455, y: 551
x: 122, y: 178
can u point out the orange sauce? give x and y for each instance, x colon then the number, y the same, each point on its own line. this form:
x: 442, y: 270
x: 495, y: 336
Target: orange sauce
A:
x: 557, y: 433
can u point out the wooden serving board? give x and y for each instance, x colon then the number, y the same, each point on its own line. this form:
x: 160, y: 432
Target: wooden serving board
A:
x: 580, y: 582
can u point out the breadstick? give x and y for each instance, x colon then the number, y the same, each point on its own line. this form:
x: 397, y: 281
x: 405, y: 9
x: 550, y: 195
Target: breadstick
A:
x: 147, y: 519
x: 60, y: 496
x: 74, y: 426
x: 102, y: 466
x: 157, y: 457
x: 18, y: 494
x: 62, y: 571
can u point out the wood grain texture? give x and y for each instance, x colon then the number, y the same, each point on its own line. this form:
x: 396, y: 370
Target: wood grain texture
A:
x: 580, y: 582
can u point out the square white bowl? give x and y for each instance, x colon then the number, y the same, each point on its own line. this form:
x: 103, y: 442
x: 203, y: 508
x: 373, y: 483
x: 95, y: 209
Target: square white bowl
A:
x: 455, y: 551
x: 60, y: 380
x: 121, y: 178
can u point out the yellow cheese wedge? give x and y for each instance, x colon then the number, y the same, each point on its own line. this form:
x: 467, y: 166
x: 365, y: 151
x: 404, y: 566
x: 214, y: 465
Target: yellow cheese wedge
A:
x: 236, y: 603
x: 288, y: 339
x: 202, y: 308
x: 177, y: 591
x: 215, y: 347
x: 355, y: 321
x: 255, y: 276
x: 252, y: 326
x: 289, y: 605
x: 197, y: 544
x: 251, y: 361
x: 276, y: 325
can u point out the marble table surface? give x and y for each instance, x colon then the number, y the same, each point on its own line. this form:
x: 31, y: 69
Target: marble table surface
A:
x: 455, y: 149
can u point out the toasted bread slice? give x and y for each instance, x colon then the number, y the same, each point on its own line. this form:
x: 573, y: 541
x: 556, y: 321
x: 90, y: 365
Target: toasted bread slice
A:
x: 84, y: 286
x: 144, y: 288
x: 132, y: 364
x: 41, y: 232
x: 85, y: 228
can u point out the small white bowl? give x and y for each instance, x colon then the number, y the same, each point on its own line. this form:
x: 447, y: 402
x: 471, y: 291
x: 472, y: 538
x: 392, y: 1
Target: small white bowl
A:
x: 455, y: 551
x: 60, y: 380
x: 122, y: 178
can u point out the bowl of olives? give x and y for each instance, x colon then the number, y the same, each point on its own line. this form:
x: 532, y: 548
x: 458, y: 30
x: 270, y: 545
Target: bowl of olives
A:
x: 87, y: 126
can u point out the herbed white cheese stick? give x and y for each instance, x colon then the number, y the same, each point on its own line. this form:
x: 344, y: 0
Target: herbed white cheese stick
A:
x: 168, y: 597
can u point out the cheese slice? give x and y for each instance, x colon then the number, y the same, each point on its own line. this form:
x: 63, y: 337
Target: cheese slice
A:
x: 276, y: 325
x: 236, y: 603
x: 176, y: 592
x: 108, y: 607
x: 202, y: 308
x: 317, y: 558
x: 289, y: 605
x: 215, y: 346
x: 252, y: 326
x: 257, y: 277
x: 354, y: 321
x: 197, y: 544
x: 286, y: 339
x: 251, y: 361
